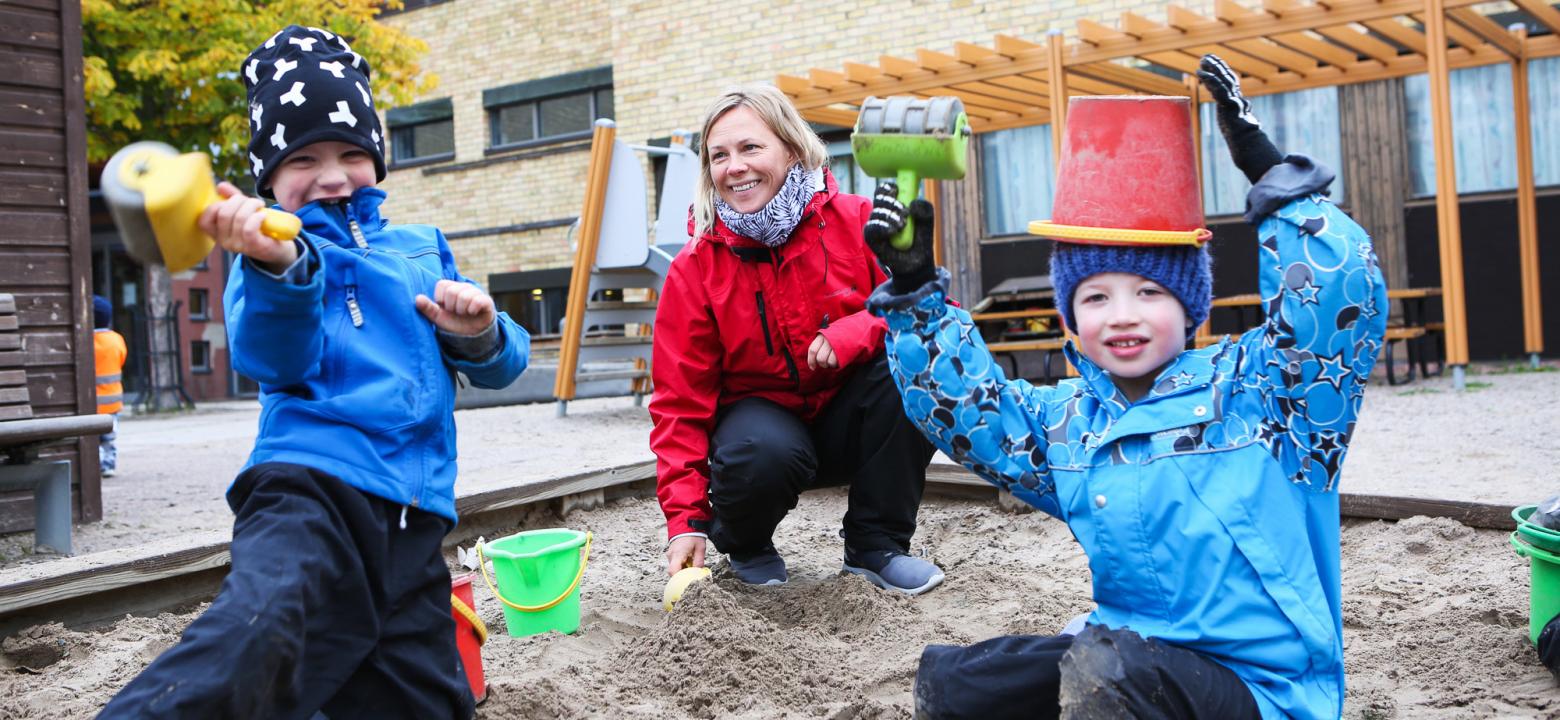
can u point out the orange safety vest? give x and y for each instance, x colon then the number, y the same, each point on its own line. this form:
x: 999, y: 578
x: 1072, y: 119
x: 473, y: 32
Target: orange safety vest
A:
x: 110, y: 351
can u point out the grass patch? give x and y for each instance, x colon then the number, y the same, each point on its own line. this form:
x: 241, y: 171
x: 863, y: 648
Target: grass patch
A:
x: 1420, y: 391
x: 1477, y: 385
x: 1519, y: 369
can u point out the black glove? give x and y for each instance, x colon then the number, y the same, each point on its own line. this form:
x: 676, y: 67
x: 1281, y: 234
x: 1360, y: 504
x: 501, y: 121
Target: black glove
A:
x: 1249, y: 147
x: 910, y: 268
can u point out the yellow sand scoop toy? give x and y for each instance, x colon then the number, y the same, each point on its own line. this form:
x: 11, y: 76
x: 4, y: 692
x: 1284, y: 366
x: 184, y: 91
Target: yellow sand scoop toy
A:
x: 156, y: 195
x: 679, y: 585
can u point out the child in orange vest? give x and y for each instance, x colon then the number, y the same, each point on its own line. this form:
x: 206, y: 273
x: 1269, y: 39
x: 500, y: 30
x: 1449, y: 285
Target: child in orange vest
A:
x: 109, y: 349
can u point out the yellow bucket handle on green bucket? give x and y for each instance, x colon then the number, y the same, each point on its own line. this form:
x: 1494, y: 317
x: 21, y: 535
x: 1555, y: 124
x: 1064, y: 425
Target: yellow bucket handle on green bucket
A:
x: 584, y: 558
x: 465, y: 611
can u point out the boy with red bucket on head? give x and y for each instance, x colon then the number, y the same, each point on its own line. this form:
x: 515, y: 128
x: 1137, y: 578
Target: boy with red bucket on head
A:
x: 1201, y: 483
x: 338, y: 601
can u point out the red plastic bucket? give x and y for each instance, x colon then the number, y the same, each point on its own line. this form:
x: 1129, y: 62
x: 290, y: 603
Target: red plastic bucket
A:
x: 470, y: 633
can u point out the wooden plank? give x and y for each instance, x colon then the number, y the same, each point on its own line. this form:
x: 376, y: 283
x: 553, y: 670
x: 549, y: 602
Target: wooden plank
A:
x: 10, y: 341
x: 10, y: 413
x: 31, y: 148
x: 1448, y: 213
x: 8, y: 322
x: 1486, y: 30
x: 1542, y: 11
x: 43, y: 308
x: 1133, y: 78
x: 48, y: 348
x: 1399, y: 33
x: 1527, y: 208
x: 29, y: 29
x: 7, y: 303
x: 33, y: 226
x: 88, y: 482
x: 72, y: 578
x: 33, y: 186
x: 43, y: 267
x: 52, y: 387
x: 32, y: 69
x: 12, y: 359
x: 9, y: 378
x: 12, y: 396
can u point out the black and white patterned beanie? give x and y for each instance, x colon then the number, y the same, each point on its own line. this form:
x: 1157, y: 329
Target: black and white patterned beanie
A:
x: 305, y: 86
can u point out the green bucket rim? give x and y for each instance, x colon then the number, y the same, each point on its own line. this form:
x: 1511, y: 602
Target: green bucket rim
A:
x: 1535, y: 533
x: 577, y: 538
x: 1526, y: 549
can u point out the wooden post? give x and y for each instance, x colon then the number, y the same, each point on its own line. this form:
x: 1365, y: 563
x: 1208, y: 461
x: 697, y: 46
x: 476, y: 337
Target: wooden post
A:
x: 1527, y: 213
x: 1194, y: 92
x: 584, y: 258
x: 932, y: 189
x: 1448, y: 215
x: 1058, y: 95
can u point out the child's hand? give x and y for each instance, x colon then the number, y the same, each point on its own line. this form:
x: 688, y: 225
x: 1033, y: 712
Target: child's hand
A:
x: 458, y: 308
x: 911, y: 268
x: 686, y: 551
x: 1250, y: 148
x: 234, y: 222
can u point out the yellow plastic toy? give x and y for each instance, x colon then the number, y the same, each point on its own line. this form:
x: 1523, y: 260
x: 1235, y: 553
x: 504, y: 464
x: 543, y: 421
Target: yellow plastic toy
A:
x: 679, y: 585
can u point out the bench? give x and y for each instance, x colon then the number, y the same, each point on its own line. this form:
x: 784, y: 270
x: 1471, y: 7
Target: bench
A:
x: 22, y: 436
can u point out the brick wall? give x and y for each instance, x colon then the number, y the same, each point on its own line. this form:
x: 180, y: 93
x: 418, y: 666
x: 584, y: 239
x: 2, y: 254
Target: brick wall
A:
x: 668, y: 59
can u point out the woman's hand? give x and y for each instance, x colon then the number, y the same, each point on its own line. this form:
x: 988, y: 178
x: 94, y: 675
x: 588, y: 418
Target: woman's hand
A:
x: 821, y: 355
x: 234, y: 222
x: 458, y: 308
x: 684, y: 552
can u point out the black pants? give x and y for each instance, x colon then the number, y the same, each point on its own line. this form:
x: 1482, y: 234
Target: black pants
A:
x: 762, y: 458
x: 1549, y: 646
x: 330, y: 607
x: 1102, y: 673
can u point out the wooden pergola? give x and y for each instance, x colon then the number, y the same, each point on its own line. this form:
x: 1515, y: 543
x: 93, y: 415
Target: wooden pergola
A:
x: 1283, y: 46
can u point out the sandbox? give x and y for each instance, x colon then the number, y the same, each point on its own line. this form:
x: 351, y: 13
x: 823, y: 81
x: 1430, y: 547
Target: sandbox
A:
x: 1434, y: 613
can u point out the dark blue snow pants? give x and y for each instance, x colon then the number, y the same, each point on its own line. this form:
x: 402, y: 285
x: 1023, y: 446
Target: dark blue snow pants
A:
x: 1101, y: 673
x: 331, y: 608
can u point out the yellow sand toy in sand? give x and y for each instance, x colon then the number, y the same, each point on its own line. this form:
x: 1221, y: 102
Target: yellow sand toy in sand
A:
x: 156, y: 195
x: 679, y: 584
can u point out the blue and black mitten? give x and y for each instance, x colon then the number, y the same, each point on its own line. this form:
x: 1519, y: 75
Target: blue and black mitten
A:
x: 912, y: 267
x: 1249, y: 147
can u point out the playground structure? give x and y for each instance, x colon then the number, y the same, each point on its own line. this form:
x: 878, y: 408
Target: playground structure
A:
x: 1283, y: 46
x: 614, y: 253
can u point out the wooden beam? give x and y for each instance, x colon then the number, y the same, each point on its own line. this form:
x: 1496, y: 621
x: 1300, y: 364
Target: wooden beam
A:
x: 1017, y: 47
x: 1396, y: 31
x: 831, y: 116
x: 1194, y: 91
x: 1487, y: 30
x: 1095, y: 33
x: 1184, y: 22
x: 1360, y: 42
x: 1131, y: 78
x: 1527, y: 212
x: 1448, y: 217
x: 863, y: 73
x: 1543, y: 12
x: 992, y: 90
x: 1058, y: 74
x: 831, y: 80
x: 1258, y: 48
x: 793, y: 85
x: 1457, y: 34
x: 1079, y: 85
x: 974, y: 54
x: 939, y: 62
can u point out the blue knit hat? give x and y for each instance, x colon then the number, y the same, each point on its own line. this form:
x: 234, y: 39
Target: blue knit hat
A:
x: 102, y: 312
x: 1184, y: 270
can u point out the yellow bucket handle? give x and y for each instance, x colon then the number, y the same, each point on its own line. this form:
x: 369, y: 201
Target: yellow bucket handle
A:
x: 584, y: 558
x: 465, y: 611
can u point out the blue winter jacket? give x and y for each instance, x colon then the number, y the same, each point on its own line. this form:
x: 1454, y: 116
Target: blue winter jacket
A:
x: 1208, y: 509
x: 353, y: 380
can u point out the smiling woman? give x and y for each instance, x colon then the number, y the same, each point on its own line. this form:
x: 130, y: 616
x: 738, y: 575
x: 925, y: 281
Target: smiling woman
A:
x: 770, y: 376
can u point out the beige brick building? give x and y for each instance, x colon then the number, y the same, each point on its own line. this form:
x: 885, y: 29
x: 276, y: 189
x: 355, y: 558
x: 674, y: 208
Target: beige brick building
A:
x: 507, y: 204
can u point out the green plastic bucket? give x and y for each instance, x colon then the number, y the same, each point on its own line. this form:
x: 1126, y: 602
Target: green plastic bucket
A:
x: 539, y: 575
x: 1536, y: 535
x: 1544, y: 596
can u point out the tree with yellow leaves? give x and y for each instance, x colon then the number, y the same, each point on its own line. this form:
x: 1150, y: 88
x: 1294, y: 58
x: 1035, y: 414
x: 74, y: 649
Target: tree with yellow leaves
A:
x: 168, y: 69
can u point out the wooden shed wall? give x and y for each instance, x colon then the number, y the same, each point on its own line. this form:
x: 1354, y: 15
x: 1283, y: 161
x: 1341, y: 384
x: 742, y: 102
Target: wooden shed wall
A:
x: 45, y: 253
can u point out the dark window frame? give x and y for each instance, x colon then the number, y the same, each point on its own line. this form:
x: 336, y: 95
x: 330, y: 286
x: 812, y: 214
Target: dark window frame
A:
x: 205, y: 348
x: 532, y: 93
x: 402, y: 121
x: 203, y: 312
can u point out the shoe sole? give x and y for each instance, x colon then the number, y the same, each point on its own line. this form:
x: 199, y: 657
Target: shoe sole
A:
x: 878, y: 580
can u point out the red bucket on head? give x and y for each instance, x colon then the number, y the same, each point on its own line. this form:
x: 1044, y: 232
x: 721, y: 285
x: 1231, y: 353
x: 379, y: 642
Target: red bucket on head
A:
x: 1127, y: 164
x: 470, y: 633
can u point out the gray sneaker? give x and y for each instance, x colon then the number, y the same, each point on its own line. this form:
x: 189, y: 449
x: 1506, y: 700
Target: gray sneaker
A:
x: 761, y: 567
x: 893, y: 570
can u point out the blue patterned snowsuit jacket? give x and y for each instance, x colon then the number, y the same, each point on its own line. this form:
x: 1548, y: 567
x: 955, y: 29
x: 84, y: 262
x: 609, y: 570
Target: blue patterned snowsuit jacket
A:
x: 1209, y: 508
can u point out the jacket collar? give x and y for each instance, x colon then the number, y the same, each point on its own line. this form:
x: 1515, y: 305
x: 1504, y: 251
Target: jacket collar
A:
x: 1190, y: 370
x: 329, y: 220
x: 722, y: 234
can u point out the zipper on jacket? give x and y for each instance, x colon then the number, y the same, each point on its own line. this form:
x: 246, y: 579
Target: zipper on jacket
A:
x: 763, y: 320
x: 353, y: 309
x: 357, y: 233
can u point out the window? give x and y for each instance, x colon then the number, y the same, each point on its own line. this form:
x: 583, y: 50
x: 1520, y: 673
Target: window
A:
x: 1016, y: 178
x: 849, y: 175
x: 200, y: 356
x: 551, y: 109
x: 421, y: 133
x: 1303, y: 122
x: 1484, y: 128
x: 200, y: 304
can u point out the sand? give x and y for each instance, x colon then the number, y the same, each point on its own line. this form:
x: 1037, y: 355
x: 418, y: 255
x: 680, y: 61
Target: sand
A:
x: 1435, y: 625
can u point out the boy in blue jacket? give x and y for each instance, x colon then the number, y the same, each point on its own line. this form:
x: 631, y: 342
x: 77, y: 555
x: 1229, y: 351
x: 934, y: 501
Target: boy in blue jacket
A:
x: 338, y: 598
x: 1201, y: 483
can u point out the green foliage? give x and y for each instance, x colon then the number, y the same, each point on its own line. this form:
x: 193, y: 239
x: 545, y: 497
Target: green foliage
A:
x: 1518, y: 369
x: 169, y: 69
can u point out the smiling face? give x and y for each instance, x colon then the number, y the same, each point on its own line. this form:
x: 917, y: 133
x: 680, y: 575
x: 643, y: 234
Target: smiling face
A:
x: 1130, y: 326
x: 748, y: 162
x: 326, y: 170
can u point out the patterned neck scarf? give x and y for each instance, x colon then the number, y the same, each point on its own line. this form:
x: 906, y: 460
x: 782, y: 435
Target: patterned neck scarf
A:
x: 772, y: 224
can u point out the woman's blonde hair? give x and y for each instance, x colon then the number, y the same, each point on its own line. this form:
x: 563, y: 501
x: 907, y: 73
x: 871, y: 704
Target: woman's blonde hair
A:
x: 783, y: 120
